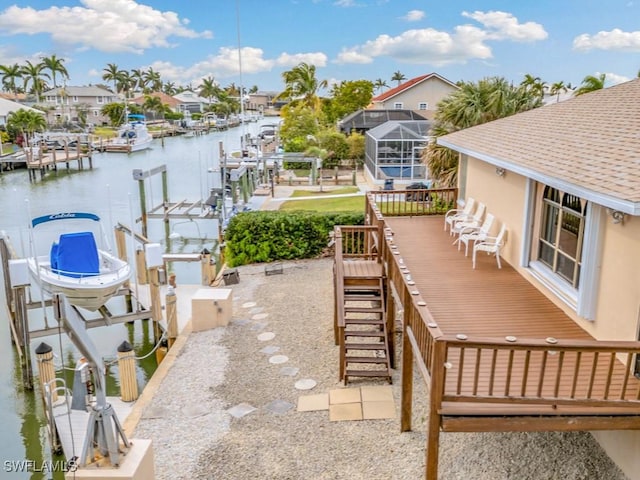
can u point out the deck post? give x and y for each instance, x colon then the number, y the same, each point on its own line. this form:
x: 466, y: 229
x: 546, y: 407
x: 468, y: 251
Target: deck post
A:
x: 141, y: 267
x: 46, y: 370
x: 127, y: 368
x: 406, y: 392
x: 435, y: 399
x: 22, y: 327
x: 172, y: 316
x: 391, y: 324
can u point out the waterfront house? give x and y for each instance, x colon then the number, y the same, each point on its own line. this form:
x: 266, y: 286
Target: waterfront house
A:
x: 8, y: 106
x: 190, y: 101
x: 70, y: 104
x: 421, y: 94
x: 565, y: 178
x: 167, y: 100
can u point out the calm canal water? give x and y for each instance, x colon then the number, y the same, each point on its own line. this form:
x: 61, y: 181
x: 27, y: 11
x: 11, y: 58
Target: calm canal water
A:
x: 110, y: 191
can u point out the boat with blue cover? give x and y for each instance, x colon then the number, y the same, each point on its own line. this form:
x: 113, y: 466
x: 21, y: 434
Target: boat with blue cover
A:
x: 87, y: 275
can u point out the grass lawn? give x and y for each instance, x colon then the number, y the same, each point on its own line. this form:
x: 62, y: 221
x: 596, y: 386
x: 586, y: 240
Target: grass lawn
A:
x: 314, y: 193
x: 340, y: 204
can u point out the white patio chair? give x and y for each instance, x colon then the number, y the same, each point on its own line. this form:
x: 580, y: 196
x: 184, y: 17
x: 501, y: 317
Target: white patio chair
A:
x: 474, y: 221
x: 475, y: 234
x: 491, y: 245
x: 458, y: 214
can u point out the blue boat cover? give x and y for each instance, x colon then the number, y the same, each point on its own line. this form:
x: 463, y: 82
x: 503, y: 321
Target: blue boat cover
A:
x: 75, y: 255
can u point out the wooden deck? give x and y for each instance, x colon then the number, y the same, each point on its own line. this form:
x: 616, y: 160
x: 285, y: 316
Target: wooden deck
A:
x: 494, y: 352
x: 485, y: 302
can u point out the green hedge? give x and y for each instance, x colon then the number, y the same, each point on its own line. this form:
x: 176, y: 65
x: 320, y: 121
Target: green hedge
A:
x: 266, y: 236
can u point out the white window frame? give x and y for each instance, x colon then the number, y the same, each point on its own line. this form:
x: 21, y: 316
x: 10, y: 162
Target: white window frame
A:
x: 99, y: 100
x: 398, y: 105
x: 75, y: 99
x: 584, y: 298
x: 423, y: 106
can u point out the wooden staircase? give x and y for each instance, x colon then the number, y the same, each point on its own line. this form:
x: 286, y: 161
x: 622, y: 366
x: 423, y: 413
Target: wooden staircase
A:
x: 364, y: 342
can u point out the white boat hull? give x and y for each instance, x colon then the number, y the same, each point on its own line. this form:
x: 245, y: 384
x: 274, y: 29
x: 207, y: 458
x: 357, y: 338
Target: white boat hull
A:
x: 89, y: 292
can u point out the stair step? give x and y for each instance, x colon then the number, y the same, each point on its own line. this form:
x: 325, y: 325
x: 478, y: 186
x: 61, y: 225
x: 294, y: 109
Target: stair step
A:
x: 366, y: 359
x: 355, y: 333
x: 364, y: 346
x: 367, y: 373
x: 362, y: 298
x: 363, y: 288
x: 363, y: 321
x: 364, y: 310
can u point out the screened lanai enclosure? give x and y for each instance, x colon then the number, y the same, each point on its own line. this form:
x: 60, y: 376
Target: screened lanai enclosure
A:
x: 393, y: 150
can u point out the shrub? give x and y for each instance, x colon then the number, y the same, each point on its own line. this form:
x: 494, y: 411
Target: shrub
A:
x: 266, y: 236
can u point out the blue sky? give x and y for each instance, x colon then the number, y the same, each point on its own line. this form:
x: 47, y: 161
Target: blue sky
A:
x: 187, y: 40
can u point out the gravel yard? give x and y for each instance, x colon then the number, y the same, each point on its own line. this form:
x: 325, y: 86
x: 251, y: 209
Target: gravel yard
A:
x: 227, y: 407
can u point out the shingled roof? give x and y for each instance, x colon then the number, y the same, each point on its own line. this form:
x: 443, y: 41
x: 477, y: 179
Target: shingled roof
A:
x: 588, y: 145
x: 407, y: 85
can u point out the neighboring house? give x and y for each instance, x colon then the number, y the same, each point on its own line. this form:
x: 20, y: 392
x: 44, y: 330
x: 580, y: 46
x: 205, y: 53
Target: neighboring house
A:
x: 172, y: 102
x: 565, y: 178
x: 191, y: 102
x: 68, y: 104
x: 393, y: 150
x: 365, y: 119
x: 7, y: 106
x: 421, y: 94
x: 262, y: 101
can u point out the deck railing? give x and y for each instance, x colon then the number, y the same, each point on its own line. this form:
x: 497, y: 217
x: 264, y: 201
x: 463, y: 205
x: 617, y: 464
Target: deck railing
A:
x: 436, y: 201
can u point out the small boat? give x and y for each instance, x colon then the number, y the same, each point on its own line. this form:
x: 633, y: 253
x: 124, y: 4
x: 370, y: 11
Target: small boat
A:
x: 88, y: 276
x: 133, y: 136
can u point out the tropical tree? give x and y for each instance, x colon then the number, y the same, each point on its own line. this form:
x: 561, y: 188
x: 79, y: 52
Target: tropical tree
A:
x: 591, y: 83
x: 379, y: 84
x: 348, y: 97
x: 26, y: 122
x: 55, y: 66
x: 126, y: 83
x: 153, y: 104
x: 302, y: 86
x: 558, y: 88
x: 209, y: 89
x: 535, y: 85
x: 473, y: 104
x: 153, y: 80
x: 169, y: 88
x: 112, y: 74
x: 138, y: 75
x: 398, y: 76
x: 9, y: 74
x: 254, y: 89
x: 34, y: 74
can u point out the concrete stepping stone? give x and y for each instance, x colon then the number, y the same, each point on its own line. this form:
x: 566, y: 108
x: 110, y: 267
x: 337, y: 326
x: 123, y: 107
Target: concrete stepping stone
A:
x: 305, y: 384
x: 260, y: 316
x: 270, y: 350
x: 289, y: 371
x: 279, y: 407
x: 249, y: 304
x: 259, y: 325
x: 255, y: 310
x: 241, y: 410
x: 266, y: 336
x: 277, y: 359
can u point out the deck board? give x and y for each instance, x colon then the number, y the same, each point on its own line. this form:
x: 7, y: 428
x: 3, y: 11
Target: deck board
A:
x: 487, y: 301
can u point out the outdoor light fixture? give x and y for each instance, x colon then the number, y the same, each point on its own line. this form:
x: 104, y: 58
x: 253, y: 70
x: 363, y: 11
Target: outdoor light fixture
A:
x: 616, y: 215
x: 500, y: 171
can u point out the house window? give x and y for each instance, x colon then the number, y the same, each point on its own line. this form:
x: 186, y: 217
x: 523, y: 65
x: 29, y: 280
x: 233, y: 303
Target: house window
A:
x: 423, y: 106
x: 75, y: 99
x: 562, y: 233
x: 99, y: 100
x: 398, y: 106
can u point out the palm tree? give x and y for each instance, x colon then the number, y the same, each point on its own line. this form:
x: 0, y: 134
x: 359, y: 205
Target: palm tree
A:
x: 112, y: 74
x: 379, y: 84
x: 473, y: 104
x: 126, y: 83
x: 209, y: 89
x: 26, y: 122
x: 533, y: 84
x: 139, y: 76
x: 9, y: 74
x: 55, y: 65
x: 591, y: 83
x: 153, y: 80
x: 254, y: 89
x: 153, y: 104
x: 34, y: 74
x: 169, y: 88
x: 398, y: 77
x: 557, y: 88
x: 302, y: 86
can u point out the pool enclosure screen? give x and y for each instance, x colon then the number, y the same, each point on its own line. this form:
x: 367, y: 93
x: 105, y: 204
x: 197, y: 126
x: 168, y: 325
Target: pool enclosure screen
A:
x: 394, y: 150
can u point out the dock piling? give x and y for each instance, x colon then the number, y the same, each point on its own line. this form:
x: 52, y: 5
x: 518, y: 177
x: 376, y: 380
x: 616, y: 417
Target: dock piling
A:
x: 127, y: 367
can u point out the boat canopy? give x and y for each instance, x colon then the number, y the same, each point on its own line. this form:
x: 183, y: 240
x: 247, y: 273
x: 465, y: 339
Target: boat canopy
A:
x: 75, y: 255
x: 64, y: 216
x: 136, y: 116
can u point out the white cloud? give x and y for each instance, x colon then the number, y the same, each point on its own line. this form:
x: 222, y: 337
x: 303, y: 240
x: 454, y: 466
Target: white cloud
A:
x: 615, y: 79
x: 414, y: 16
x: 504, y: 26
x: 438, y: 48
x: 105, y: 25
x: 616, y: 39
x: 318, y: 59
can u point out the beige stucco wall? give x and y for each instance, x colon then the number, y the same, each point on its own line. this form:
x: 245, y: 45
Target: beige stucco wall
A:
x: 618, y: 290
x: 504, y: 198
x: 431, y: 91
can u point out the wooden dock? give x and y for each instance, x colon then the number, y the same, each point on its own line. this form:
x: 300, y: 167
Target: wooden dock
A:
x: 41, y: 161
